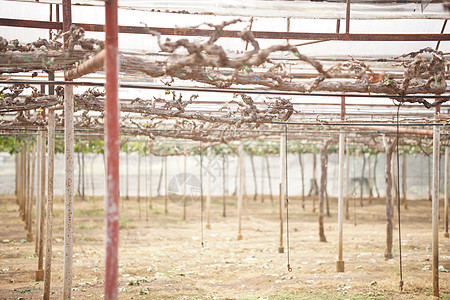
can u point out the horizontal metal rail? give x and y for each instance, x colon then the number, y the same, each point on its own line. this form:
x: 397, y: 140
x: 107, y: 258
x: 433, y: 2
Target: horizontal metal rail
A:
x: 401, y: 37
x: 229, y: 90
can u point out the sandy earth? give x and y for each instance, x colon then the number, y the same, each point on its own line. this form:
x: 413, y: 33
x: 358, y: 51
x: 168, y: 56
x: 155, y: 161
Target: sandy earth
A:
x: 162, y: 258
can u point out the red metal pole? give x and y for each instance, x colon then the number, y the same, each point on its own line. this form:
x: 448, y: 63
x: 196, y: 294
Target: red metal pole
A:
x: 111, y: 150
x: 347, y: 18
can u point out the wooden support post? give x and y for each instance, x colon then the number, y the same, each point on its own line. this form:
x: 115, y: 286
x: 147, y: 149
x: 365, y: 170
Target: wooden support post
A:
x: 68, y: 196
x: 30, y: 202
x: 40, y: 270
x: 435, y: 212
x: 24, y: 181
x: 146, y: 187
x: 18, y: 176
x: 369, y: 180
x: 314, y: 191
x: 27, y: 184
x: 185, y: 184
x: 283, y: 169
x: 280, y: 204
x: 240, y: 189
x: 16, y: 165
x: 446, y: 193
x: 127, y: 195
x: 429, y: 178
x: 29, y: 198
x: 38, y: 193
x: 69, y: 168
x: 393, y: 179
x: 51, y: 159
x: 389, y: 146
x: 262, y: 179
x: 340, y: 261
x: 224, y: 184
x: 150, y: 191
x: 282, y: 187
x: 347, y: 183
x: 208, y: 195
x: 139, y: 183
x: 244, y: 182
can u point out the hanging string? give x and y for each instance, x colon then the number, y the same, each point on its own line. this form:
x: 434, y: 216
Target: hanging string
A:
x: 398, y: 203
x: 201, y: 193
x: 287, y: 199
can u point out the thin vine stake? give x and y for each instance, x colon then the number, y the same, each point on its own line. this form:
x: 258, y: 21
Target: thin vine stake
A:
x: 399, y: 206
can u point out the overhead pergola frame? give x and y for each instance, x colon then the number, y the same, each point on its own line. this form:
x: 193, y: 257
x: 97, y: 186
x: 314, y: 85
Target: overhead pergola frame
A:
x: 281, y: 72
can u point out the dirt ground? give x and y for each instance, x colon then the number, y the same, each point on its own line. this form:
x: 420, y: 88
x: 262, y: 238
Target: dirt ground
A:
x: 163, y: 258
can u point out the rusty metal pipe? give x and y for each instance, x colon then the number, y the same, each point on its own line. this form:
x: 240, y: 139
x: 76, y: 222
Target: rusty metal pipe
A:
x: 347, y: 18
x: 394, y: 130
x: 236, y: 33
x: 112, y: 128
x: 91, y: 65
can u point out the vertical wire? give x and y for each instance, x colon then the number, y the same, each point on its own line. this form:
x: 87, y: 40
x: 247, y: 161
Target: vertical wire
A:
x: 287, y: 199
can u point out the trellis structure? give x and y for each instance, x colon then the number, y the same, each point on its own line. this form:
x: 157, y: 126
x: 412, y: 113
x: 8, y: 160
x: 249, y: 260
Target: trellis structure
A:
x: 252, y: 94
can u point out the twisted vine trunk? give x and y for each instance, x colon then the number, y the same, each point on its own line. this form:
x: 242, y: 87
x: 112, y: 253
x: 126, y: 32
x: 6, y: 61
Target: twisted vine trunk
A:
x: 262, y: 179
x: 127, y: 179
x: 92, y: 177
x: 150, y: 205
x: 361, y: 182
x: 254, y: 177
x: 302, y: 173
x: 323, y: 187
x: 328, y: 203
x: 160, y: 177
x: 375, y: 175
x: 79, y: 174
x: 313, y: 190
x: 389, y: 146
x: 347, y: 183
x: 83, y: 177
x: 268, y: 178
x: 394, y: 179
x: 236, y: 182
